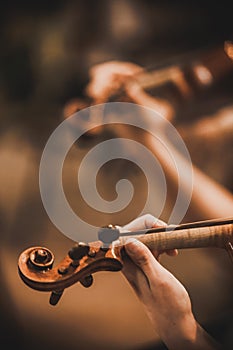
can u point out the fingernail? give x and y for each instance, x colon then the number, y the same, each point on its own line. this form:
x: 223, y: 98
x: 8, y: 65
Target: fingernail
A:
x: 159, y: 223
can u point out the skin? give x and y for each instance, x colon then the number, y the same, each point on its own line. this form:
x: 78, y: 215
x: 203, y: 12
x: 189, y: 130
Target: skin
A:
x: 107, y: 78
x: 165, y: 299
x: 210, y: 200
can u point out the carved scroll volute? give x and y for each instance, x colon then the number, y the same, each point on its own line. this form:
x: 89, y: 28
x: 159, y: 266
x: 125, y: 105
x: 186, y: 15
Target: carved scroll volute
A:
x: 36, y: 269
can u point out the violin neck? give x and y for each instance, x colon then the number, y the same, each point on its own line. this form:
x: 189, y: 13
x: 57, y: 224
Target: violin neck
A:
x: 215, y: 62
x: 195, y: 237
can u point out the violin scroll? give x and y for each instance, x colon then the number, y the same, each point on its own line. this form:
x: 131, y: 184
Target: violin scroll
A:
x: 36, y: 269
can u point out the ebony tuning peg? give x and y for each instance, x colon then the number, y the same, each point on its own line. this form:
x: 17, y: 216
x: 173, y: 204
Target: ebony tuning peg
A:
x: 87, y: 281
x: 77, y: 252
x: 41, y: 258
x: 55, y: 297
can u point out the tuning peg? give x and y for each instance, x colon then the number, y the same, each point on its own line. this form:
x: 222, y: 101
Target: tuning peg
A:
x: 41, y: 258
x: 87, y: 281
x: 55, y: 297
x: 78, y: 251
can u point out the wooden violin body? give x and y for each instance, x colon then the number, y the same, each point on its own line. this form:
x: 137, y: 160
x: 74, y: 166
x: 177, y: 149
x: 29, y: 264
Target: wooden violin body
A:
x: 36, y: 269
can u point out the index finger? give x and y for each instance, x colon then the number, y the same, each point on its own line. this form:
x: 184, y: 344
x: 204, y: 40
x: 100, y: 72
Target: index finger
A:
x: 144, y: 222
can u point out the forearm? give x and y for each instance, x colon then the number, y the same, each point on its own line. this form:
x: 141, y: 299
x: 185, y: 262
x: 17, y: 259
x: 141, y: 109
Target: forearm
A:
x: 188, y: 335
x: 209, y: 199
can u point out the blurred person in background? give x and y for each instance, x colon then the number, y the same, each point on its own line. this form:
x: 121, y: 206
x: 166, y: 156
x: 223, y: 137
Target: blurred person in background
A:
x: 210, y: 199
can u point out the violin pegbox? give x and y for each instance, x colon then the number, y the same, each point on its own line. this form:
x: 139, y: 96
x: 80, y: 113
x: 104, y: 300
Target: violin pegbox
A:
x: 35, y: 266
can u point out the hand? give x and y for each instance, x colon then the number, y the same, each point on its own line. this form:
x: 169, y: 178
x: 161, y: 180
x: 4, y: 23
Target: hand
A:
x: 165, y: 299
x: 107, y: 78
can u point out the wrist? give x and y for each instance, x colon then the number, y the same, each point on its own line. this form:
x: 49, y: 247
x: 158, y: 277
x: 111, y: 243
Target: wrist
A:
x: 179, y: 334
x: 189, y: 335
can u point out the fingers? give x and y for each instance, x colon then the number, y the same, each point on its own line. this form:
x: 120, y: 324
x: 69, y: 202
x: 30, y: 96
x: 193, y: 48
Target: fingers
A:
x: 143, y: 260
x: 136, y: 277
x: 172, y: 252
x: 106, y: 78
x: 138, y: 268
x: 144, y: 222
x: 141, y: 256
x: 148, y: 221
x: 140, y: 96
x: 142, y: 268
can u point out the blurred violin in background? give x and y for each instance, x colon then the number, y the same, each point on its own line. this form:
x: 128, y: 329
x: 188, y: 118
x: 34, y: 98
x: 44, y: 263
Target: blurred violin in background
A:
x: 169, y: 86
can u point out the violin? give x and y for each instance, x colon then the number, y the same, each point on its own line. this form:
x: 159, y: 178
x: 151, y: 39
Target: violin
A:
x: 169, y: 86
x: 35, y: 264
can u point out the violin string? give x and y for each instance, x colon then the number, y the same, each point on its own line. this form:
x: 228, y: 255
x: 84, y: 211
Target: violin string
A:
x: 206, y: 223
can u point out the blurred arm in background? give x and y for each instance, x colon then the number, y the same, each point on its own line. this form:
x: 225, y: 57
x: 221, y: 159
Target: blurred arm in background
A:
x: 210, y: 199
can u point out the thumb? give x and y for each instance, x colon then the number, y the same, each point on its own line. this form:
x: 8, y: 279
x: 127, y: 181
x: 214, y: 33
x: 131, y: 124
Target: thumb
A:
x: 141, y: 255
